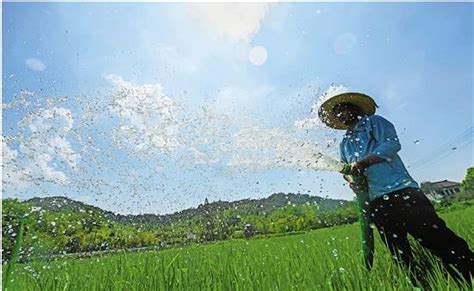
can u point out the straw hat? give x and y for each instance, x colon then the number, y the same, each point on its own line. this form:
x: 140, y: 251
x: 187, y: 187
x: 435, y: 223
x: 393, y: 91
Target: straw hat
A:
x: 326, y: 114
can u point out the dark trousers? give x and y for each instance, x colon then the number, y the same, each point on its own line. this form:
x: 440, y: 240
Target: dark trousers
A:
x: 408, y: 211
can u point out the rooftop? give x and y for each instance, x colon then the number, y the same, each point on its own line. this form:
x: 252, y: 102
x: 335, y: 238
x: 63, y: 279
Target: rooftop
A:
x: 444, y: 184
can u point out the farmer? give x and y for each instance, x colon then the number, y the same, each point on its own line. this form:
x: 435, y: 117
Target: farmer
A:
x: 397, y: 205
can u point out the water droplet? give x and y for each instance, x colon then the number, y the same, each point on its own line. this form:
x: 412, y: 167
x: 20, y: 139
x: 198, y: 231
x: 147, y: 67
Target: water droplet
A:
x: 406, y: 182
x: 385, y: 197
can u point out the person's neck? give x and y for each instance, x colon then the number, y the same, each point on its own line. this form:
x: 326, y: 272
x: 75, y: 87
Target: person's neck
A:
x: 353, y: 124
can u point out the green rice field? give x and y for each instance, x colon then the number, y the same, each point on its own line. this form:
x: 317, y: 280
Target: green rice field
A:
x: 325, y: 259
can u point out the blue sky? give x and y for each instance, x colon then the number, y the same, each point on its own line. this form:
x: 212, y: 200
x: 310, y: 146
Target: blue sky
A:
x: 415, y: 59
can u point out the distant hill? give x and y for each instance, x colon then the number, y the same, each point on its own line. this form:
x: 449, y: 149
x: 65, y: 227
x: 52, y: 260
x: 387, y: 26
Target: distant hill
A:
x: 57, y: 203
x: 248, y: 206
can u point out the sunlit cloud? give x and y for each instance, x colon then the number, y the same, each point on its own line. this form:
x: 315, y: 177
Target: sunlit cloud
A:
x: 233, y: 21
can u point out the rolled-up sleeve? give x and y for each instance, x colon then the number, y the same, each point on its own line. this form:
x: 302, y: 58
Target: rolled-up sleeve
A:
x: 387, y: 140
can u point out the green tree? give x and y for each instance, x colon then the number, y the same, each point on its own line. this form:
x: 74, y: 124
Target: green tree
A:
x: 207, y: 223
x: 468, y: 183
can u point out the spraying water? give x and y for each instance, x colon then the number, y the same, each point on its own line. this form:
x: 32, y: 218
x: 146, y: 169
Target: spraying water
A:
x: 108, y: 144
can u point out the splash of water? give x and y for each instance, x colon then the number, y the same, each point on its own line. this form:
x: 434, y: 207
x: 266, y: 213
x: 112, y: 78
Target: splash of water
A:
x: 59, y: 140
x: 264, y: 148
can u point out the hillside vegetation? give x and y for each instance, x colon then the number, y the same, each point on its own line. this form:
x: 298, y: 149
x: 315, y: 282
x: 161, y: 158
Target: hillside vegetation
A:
x: 58, y: 225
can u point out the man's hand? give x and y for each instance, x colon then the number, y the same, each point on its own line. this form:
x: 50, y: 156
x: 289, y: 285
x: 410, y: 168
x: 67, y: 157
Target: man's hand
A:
x: 358, y: 168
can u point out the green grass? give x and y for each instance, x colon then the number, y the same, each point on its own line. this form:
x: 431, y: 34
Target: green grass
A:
x: 326, y: 259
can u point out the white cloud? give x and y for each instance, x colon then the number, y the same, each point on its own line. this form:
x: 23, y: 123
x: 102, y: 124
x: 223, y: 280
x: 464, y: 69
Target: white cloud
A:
x: 278, y: 16
x: 35, y: 64
x: 234, y: 21
x: 62, y: 148
x: 40, y: 168
x: 150, y: 120
x: 50, y: 121
x: 47, y: 142
x: 313, y: 120
x: 11, y: 173
x: 42, y: 143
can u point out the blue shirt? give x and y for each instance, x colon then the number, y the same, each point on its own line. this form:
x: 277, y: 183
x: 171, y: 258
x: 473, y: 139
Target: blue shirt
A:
x: 374, y: 135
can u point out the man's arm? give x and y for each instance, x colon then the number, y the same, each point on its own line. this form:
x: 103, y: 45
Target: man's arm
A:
x: 359, y: 167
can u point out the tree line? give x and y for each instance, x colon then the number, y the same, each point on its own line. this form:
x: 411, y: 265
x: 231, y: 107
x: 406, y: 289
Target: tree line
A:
x: 65, y: 230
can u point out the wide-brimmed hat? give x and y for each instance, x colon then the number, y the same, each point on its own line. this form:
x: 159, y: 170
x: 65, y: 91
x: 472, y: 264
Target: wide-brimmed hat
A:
x: 326, y: 114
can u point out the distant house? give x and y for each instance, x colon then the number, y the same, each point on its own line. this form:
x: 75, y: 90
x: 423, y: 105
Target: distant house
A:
x: 443, y: 188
